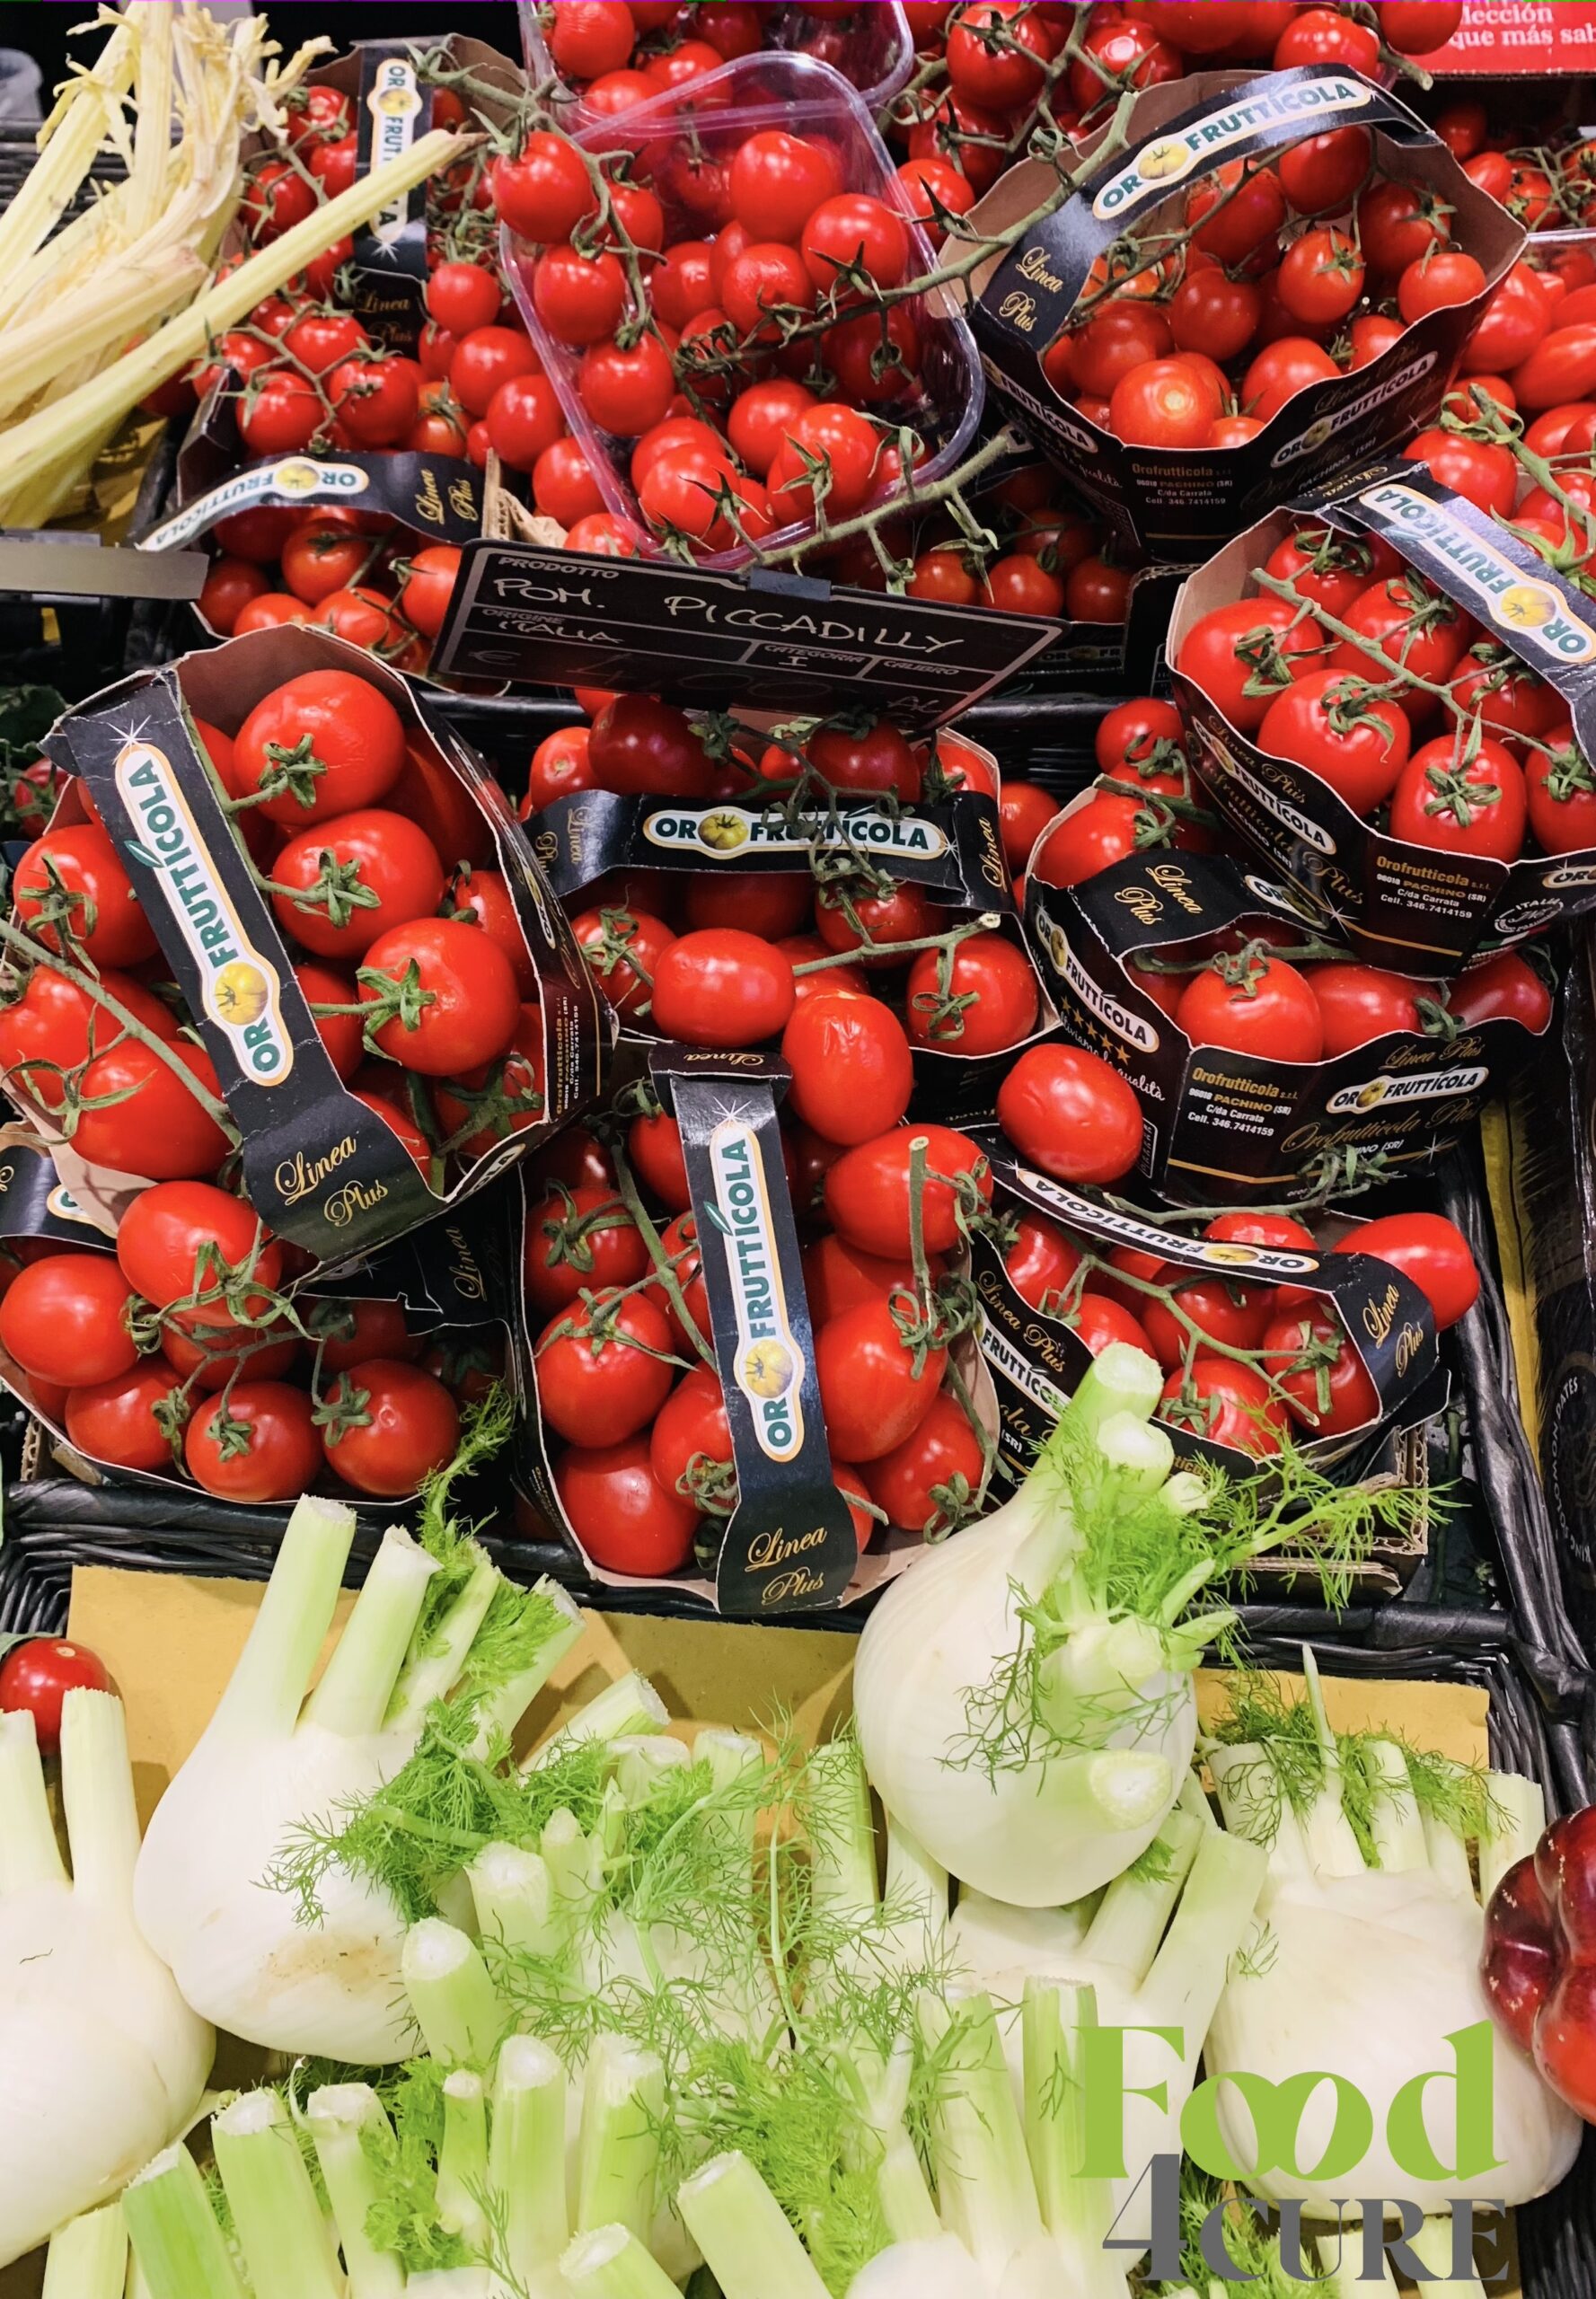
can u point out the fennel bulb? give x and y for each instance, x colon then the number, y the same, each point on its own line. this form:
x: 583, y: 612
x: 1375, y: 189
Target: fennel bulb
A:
x: 314, y: 1967
x: 1368, y: 1948
x: 1024, y: 1695
x: 104, y: 2061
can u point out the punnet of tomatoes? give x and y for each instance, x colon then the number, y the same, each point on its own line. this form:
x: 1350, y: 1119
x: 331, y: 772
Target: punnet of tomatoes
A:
x: 989, y: 73
x: 289, y: 934
x: 176, y: 1354
x: 737, y: 331
x: 1266, y: 1328
x: 604, y: 58
x: 1387, y: 704
x: 1257, y: 1054
x: 812, y: 887
x: 1221, y: 333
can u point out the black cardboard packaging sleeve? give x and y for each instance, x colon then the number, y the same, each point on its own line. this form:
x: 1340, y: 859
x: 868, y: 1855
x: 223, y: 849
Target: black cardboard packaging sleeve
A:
x: 1418, y: 909
x: 321, y: 1169
x: 1231, y: 1128
x: 1037, y: 1361
x: 1176, y: 503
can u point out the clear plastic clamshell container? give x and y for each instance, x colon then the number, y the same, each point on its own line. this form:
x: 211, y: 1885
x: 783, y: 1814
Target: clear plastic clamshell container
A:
x: 871, y: 46
x: 712, y: 119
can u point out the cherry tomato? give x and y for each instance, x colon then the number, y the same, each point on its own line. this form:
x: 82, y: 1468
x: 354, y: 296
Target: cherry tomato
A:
x: 623, y: 949
x: 1359, y: 1003
x: 37, y: 1677
x: 873, y: 1393
x: 1445, y: 277
x: 99, y: 911
x: 1476, y: 805
x: 852, y: 1072
x: 65, y: 1319
x: 1309, y: 1355
x: 1228, y: 1403
x: 720, y: 987
x: 1321, y: 277
x: 690, y: 1450
x: 458, y: 1004
x: 53, y: 1026
x: 1333, y: 725
x: 982, y: 998
x: 1092, y: 837
x: 604, y: 1371
x: 1041, y: 1262
x: 373, y: 853
x: 393, y: 1425
x: 138, y: 1117
x: 1096, y: 1321
x: 1404, y: 620
x: 345, y: 740
x: 1243, y: 656
x: 1070, y: 1114
x: 638, y: 746
x: 1256, y: 1005
x: 1503, y: 988
x: 1429, y: 1249
x: 777, y: 181
x: 1025, y: 810
x: 1399, y: 224
x: 115, y: 1421
x: 1322, y: 175
x: 1221, y: 1308
x: 928, y: 1484
x: 183, y: 1238
x: 625, y: 1520
x: 259, y: 1445
x: 867, y: 1189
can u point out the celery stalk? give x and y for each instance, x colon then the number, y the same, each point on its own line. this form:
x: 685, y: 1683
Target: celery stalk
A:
x: 286, y: 2245
x: 181, y: 2252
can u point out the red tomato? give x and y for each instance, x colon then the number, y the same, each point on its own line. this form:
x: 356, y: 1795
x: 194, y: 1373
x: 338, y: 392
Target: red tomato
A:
x: 373, y: 853
x: 202, y: 1359
x: 774, y: 903
x: 115, y: 1422
x: 53, y: 1028
x: 391, y: 1425
x: 229, y: 586
x: 622, y: 948
x: 981, y: 998
x: 1358, y: 1004
x: 1419, y: 27
x: 95, y: 908
x: 138, y: 1117
x: 351, y: 1332
x: 1243, y: 656
x: 1041, y: 1262
x: 1321, y: 277
x: 560, y: 766
x: 625, y: 1520
x: 1228, y: 1403
x: 260, y: 1445
x: 484, y: 898
x: 1256, y: 1005
x: 1221, y: 1308
x: 1429, y: 1249
x: 928, y: 1484
x: 38, y: 1675
x: 839, y: 1276
x: 1399, y: 224
x: 719, y: 987
x: 1503, y: 988
x: 873, y: 1392
x: 1328, y: 1386
x: 604, y: 1371
x: 578, y: 297
x: 868, y: 1190
x: 878, y: 759
x: 1097, y: 1321
x: 1024, y: 809
x: 877, y: 922
x: 1404, y: 620
x: 1437, y: 281
x: 581, y: 1236
x: 452, y: 993
x: 1276, y: 1230
x: 1475, y: 807
x: 1323, y: 175
x: 65, y: 1319
x: 852, y: 1072
x: 637, y: 746
x: 777, y: 181
x: 1069, y: 1114
x: 1333, y: 725
x: 1281, y: 369
x: 1093, y: 836
x: 690, y: 1450
x: 182, y: 1240
x: 429, y: 585
x: 328, y: 735
x: 1561, y: 792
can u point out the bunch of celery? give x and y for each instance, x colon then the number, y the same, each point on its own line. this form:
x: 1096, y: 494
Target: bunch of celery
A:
x: 96, y: 313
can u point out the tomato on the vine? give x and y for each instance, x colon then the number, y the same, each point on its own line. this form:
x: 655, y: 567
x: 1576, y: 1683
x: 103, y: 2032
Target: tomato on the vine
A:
x: 259, y: 1443
x: 604, y: 1371
x: 452, y: 991
x: 1429, y: 1249
x: 70, y: 888
x: 625, y: 1520
x: 719, y: 987
x: 1229, y: 1403
x: 1358, y: 1003
x: 868, y: 1189
x: 1309, y: 1355
x: 1252, y: 1004
x: 876, y: 1385
x: 1461, y: 804
x: 64, y: 1319
x: 1244, y: 654
x: 387, y: 1425
x: 980, y: 999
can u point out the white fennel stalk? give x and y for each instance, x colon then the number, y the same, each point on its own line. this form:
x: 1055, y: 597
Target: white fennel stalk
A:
x: 88, y: 2258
